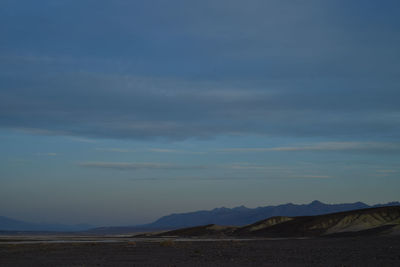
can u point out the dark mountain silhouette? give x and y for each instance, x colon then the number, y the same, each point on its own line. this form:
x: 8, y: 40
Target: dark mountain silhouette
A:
x: 372, y: 221
x: 8, y: 224
x: 238, y: 216
x: 383, y: 218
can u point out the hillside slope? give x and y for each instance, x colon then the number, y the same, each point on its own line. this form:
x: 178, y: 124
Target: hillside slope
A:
x: 241, y: 216
x: 381, y: 220
x: 351, y: 221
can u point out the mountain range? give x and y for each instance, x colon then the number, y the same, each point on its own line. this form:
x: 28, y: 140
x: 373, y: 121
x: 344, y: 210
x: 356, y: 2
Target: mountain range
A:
x: 364, y: 222
x: 238, y: 216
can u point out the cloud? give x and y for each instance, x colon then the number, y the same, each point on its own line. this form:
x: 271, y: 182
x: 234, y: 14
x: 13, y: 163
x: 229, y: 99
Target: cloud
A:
x: 142, y: 109
x: 174, y: 151
x: 82, y: 140
x: 311, y: 176
x: 194, y: 70
x: 50, y: 154
x: 168, y: 166
x: 367, y: 147
x: 118, y: 150
x: 387, y: 171
x: 139, y: 166
x: 153, y: 150
x: 248, y: 166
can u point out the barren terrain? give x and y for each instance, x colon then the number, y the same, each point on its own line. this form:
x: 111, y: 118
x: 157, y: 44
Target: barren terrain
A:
x: 360, y: 251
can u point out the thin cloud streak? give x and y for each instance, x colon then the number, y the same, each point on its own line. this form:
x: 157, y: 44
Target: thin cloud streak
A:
x: 174, y: 151
x: 367, y: 147
x: 311, y: 176
x: 50, y: 154
x: 387, y: 171
x: 153, y: 150
x: 250, y: 166
x: 117, y: 150
x: 139, y: 166
x: 169, y: 166
x: 82, y: 140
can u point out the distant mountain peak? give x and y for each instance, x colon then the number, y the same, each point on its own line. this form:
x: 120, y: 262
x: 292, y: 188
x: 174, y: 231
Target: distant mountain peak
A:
x: 221, y: 209
x: 240, y: 208
x: 317, y: 202
x: 359, y: 222
x: 242, y: 215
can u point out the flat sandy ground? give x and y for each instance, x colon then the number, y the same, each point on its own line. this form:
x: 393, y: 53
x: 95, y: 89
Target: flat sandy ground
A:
x: 363, y: 251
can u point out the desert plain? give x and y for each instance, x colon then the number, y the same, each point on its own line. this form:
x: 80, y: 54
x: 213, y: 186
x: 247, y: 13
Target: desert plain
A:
x: 125, y: 251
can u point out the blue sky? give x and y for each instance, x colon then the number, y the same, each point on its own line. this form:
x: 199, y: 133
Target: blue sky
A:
x: 118, y: 112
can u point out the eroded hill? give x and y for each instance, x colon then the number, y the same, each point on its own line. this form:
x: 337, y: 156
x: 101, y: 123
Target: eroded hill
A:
x: 381, y: 220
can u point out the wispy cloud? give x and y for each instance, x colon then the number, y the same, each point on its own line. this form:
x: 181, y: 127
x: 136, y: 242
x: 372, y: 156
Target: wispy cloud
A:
x: 247, y: 166
x: 310, y: 176
x: 174, y: 151
x: 50, y: 154
x: 82, y: 140
x: 153, y: 150
x: 140, y: 166
x: 126, y: 92
x: 374, y: 147
x: 387, y: 171
x: 38, y: 131
x: 117, y: 150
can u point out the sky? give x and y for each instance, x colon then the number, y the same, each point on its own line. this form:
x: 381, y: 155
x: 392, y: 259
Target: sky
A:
x: 119, y: 112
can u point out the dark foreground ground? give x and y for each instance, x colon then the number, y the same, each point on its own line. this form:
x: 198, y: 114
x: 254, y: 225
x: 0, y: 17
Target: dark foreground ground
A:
x: 363, y: 251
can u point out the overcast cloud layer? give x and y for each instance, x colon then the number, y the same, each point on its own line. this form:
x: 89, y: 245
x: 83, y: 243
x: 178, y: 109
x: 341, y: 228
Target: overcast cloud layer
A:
x: 175, y: 70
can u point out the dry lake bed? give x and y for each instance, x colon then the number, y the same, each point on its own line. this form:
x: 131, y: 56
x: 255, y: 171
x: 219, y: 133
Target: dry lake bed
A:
x: 124, y: 251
